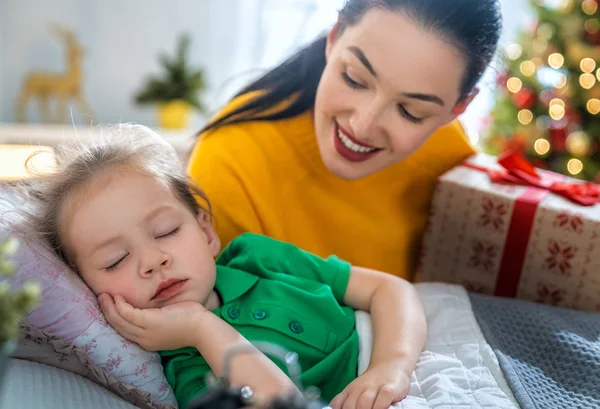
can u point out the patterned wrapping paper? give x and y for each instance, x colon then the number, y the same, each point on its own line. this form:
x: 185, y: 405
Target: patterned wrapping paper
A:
x: 513, y: 240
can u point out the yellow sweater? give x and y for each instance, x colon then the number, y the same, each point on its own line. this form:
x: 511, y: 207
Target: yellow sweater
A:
x: 268, y: 178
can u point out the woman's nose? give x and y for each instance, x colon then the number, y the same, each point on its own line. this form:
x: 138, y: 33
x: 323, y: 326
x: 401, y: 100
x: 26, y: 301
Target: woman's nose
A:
x: 365, y: 125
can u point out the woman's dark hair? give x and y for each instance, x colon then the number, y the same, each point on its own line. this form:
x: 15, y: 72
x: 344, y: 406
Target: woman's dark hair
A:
x: 472, y: 26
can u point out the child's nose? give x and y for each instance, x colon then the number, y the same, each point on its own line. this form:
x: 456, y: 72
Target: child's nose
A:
x: 155, y: 260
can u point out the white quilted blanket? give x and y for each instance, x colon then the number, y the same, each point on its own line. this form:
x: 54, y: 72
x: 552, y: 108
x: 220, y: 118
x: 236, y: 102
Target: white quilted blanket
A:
x: 457, y: 369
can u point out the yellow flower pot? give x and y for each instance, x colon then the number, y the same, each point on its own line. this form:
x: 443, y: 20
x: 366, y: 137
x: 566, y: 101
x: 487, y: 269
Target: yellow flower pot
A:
x: 174, y: 114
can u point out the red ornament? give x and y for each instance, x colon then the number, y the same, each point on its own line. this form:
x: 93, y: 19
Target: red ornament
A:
x: 558, y: 135
x: 524, y: 99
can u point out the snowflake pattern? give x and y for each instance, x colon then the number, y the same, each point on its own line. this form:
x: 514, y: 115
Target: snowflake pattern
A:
x: 560, y: 256
x: 493, y: 213
x: 483, y: 256
x: 475, y: 287
x: 569, y: 222
x: 550, y: 294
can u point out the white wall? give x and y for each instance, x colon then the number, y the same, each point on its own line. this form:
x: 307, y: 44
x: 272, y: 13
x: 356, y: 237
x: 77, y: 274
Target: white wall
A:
x: 233, y: 39
x: 121, y: 40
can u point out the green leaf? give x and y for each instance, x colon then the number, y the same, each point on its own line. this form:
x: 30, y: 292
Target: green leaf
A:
x: 179, y: 80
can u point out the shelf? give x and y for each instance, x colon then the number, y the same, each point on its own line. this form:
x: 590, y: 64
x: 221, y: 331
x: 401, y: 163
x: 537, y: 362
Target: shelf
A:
x: 54, y: 134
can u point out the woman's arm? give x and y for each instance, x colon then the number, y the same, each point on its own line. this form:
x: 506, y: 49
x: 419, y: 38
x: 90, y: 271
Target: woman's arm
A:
x: 399, y: 330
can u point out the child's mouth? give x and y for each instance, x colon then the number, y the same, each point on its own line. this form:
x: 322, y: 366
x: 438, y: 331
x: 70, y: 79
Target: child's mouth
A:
x: 169, y: 289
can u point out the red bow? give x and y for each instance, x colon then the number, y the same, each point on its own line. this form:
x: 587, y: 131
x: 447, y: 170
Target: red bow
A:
x: 520, y: 172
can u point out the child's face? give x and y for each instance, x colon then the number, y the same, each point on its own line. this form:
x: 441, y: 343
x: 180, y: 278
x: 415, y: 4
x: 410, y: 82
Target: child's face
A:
x: 131, y: 236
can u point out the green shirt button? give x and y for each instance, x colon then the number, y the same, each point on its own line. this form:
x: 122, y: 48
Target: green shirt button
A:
x: 295, y: 327
x: 233, y: 312
x: 259, y: 315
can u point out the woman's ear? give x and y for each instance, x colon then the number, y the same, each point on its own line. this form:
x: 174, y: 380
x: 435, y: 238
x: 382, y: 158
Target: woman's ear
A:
x: 460, y: 107
x: 331, y: 37
x: 214, y: 243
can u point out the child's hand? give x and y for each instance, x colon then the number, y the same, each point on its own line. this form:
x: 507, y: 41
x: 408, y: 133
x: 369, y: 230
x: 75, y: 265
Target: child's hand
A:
x: 154, y: 329
x: 378, y: 388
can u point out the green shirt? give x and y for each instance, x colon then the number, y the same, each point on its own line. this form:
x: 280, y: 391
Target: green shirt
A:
x: 274, y: 292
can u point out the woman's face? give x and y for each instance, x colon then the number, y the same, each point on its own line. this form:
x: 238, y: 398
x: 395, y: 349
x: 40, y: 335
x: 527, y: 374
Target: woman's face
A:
x: 387, y: 86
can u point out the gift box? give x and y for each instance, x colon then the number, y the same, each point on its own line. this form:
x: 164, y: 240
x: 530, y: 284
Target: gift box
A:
x: 499, y: 226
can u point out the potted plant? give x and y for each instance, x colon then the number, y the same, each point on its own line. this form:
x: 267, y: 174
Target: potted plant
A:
x: 176, y: 91
x: 14, y: 303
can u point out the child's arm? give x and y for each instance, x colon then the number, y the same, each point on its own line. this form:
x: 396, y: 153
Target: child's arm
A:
x: 399, y: 329
x: 190, y: 324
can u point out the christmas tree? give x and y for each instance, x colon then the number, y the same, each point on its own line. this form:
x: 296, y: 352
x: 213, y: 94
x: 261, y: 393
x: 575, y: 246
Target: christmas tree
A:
x: 548, y: 102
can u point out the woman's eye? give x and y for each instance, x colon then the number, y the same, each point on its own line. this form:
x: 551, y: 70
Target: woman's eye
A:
x: 408, y: 116
x: 171, y: 233
x: 115, y: 265
x: 351, y: 82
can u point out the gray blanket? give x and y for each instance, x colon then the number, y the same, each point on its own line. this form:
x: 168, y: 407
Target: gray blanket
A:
x: 550, y: 356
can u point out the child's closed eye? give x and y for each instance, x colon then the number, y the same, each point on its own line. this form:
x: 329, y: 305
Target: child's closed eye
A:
x: 171, y: 233
x: 116, y: 264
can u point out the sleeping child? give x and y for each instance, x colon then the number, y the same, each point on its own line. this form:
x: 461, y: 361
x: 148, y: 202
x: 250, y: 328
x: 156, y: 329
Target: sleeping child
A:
x: 122, y: 214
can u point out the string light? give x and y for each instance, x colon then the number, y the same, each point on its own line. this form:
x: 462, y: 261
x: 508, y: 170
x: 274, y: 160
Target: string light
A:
x: 556, y: 60
x: 593, y: 106
x: 587, y: 65
x: 562, y: 81
x: 513, y: 51
x: 545, y: 31
x: 589, y: 7
x: 528, y: 68
x: 557, y: 112
x: 525, y: 116
x: 578, y: 144
x: 541, y: 146
x: 564, y: 6
x: 592, y: 25
x: 598, y: 74
x: 574, y: 167
x: 557, y: 101
x: 514, y: 84
x: 587, y: 80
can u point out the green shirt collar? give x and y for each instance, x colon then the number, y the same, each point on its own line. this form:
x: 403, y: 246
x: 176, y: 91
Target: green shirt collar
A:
x: 232, y: 283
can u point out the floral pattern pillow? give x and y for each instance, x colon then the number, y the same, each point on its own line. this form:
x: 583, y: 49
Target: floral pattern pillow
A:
x: 69, y: 311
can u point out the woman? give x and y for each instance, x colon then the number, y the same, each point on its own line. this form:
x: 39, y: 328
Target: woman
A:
x: 338, y: 149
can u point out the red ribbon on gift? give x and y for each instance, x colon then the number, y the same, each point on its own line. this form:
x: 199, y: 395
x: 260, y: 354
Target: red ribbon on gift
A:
x: 520, y: 172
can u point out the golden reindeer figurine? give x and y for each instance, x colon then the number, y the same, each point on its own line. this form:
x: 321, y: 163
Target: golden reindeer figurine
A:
x: 62, y: 86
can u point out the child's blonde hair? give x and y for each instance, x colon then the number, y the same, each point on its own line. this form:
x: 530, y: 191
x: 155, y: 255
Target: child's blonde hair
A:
x: 119, y: 147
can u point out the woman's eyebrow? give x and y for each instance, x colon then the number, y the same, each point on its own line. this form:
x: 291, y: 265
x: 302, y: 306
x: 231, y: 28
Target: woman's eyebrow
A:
x: 363, y: 59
